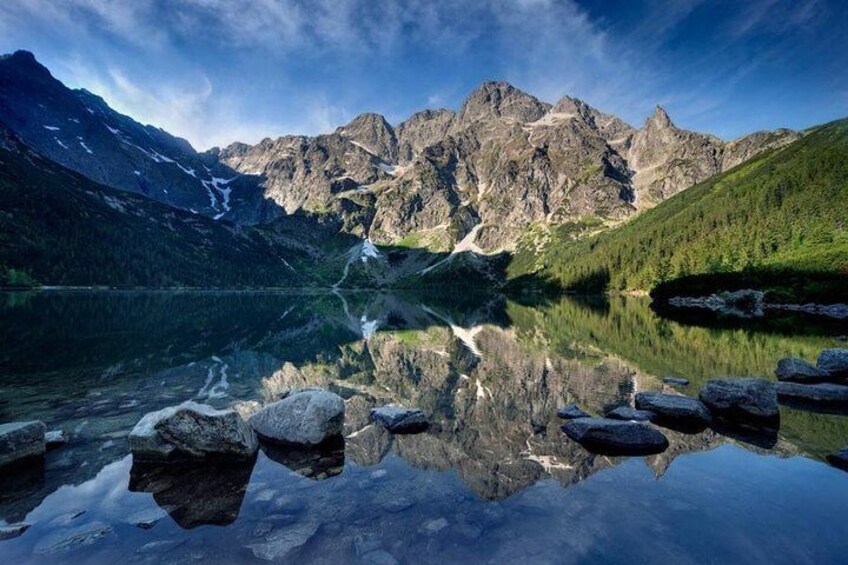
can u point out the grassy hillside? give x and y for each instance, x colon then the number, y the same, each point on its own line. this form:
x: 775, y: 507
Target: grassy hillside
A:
x: 60, y: 228
x: 779, y: 221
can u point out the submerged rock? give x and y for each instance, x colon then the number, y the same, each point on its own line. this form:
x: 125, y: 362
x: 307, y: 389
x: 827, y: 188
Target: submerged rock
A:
x: 839, y: 459
x: 192, y: 430
x: 825, y: 394
x: 308, y: 416
x: 9, y: 531
x: 797, y: 370
x: 674, y: 411
x: 677, y: 381
x: 400, y: 420
x: 572, y: 411
x: 628, y: 413
x: 64, y: 540
x: 615, y: 437
x: 834, y: 362
x: 55, y: 438
x: 282, y: 541
x: 21, y: 440
x: 745, y: 402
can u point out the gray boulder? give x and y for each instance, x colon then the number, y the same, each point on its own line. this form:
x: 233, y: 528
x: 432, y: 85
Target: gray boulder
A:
x: 192, y: 430
x: 615, y: 437
x: 674, y: 410
x: 834, y: 362
x: 827, y: 394
x: 400, y: 420
x: 571, y: 412
x: 797, y: 370
x: 20, y: 440
x: 628, y: 413
x: 839, y: 459
x: 744, y: 402
x: 308, y: 416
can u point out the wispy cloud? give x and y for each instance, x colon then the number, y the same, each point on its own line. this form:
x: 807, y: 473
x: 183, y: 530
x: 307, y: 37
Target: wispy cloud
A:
x: 214, y: 71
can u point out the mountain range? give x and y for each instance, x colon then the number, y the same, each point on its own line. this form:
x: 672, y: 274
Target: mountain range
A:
x: 441, y: 191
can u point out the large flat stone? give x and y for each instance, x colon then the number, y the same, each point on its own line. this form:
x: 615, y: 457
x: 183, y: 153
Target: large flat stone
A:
x: 615, y: 437
x: 21, y: 440
x: 745, y: 402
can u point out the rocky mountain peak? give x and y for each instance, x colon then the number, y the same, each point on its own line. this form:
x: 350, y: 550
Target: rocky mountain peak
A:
x: 659, y: 119
x: 373, y: 133
x: 501, y: 100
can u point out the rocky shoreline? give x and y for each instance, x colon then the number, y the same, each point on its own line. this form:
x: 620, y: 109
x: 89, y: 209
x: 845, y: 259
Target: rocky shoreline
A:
x: 750, y: 303
x: 745, y: 408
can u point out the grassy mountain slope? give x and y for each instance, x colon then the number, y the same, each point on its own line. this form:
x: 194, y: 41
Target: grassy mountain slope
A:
x: 60, y: 228
x: 779, y: 221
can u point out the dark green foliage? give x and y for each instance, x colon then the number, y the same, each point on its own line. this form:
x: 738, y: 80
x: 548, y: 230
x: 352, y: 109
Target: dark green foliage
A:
x: 781, y: 216
x: 59, y: 228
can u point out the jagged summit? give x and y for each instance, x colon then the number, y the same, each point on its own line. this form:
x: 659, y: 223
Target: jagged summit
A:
x: 373, y: 133
x: 659, y: 118
x: 501, y: 100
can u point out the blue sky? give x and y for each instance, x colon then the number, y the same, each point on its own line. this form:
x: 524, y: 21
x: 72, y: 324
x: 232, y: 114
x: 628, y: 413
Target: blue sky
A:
x: 216, y: 71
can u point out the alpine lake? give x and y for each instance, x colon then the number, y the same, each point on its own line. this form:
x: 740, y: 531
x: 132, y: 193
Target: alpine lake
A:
x: 493, y: 479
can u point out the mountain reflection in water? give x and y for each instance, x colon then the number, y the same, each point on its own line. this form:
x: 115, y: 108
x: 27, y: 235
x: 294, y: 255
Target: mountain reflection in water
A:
x: 484, y: 483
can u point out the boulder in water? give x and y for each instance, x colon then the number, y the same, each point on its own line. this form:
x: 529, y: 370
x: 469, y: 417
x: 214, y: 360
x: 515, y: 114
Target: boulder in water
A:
x: 797, y: 370
x: 572, y: 411
x: 192, y: 430
x: 307, y: 416
x: 676, y: 381
x: 814, y: 395
x: 21, y: 440
x: 674, y: 410
x: 839, y: 459
x: 743, y: 402
x: 834, y: 362
x: 615, y: 437
x: 399, y: 419
x: 628, y: 413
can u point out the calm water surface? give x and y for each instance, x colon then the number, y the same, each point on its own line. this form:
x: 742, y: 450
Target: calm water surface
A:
x: 493, y: 480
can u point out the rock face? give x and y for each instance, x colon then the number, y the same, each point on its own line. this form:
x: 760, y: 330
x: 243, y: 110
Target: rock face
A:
x: 308, y: 416
x: 825, y: 394
x: 504, y: 162
x: 674, y: 410
x: 571, y: 412
x: 628, y: 413
x: 834, y: 362
x: 21, y: 440
x: 615, y: 437
x: 400, y: 420
x: 192, y: 430
x: 78, y: 130
x: 746, y: 402
x: 798, y: 370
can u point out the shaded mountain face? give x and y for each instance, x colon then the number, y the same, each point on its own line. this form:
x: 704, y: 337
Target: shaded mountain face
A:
x: 481, y: 178
x: 59, y: 227
x: 78, y: 130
